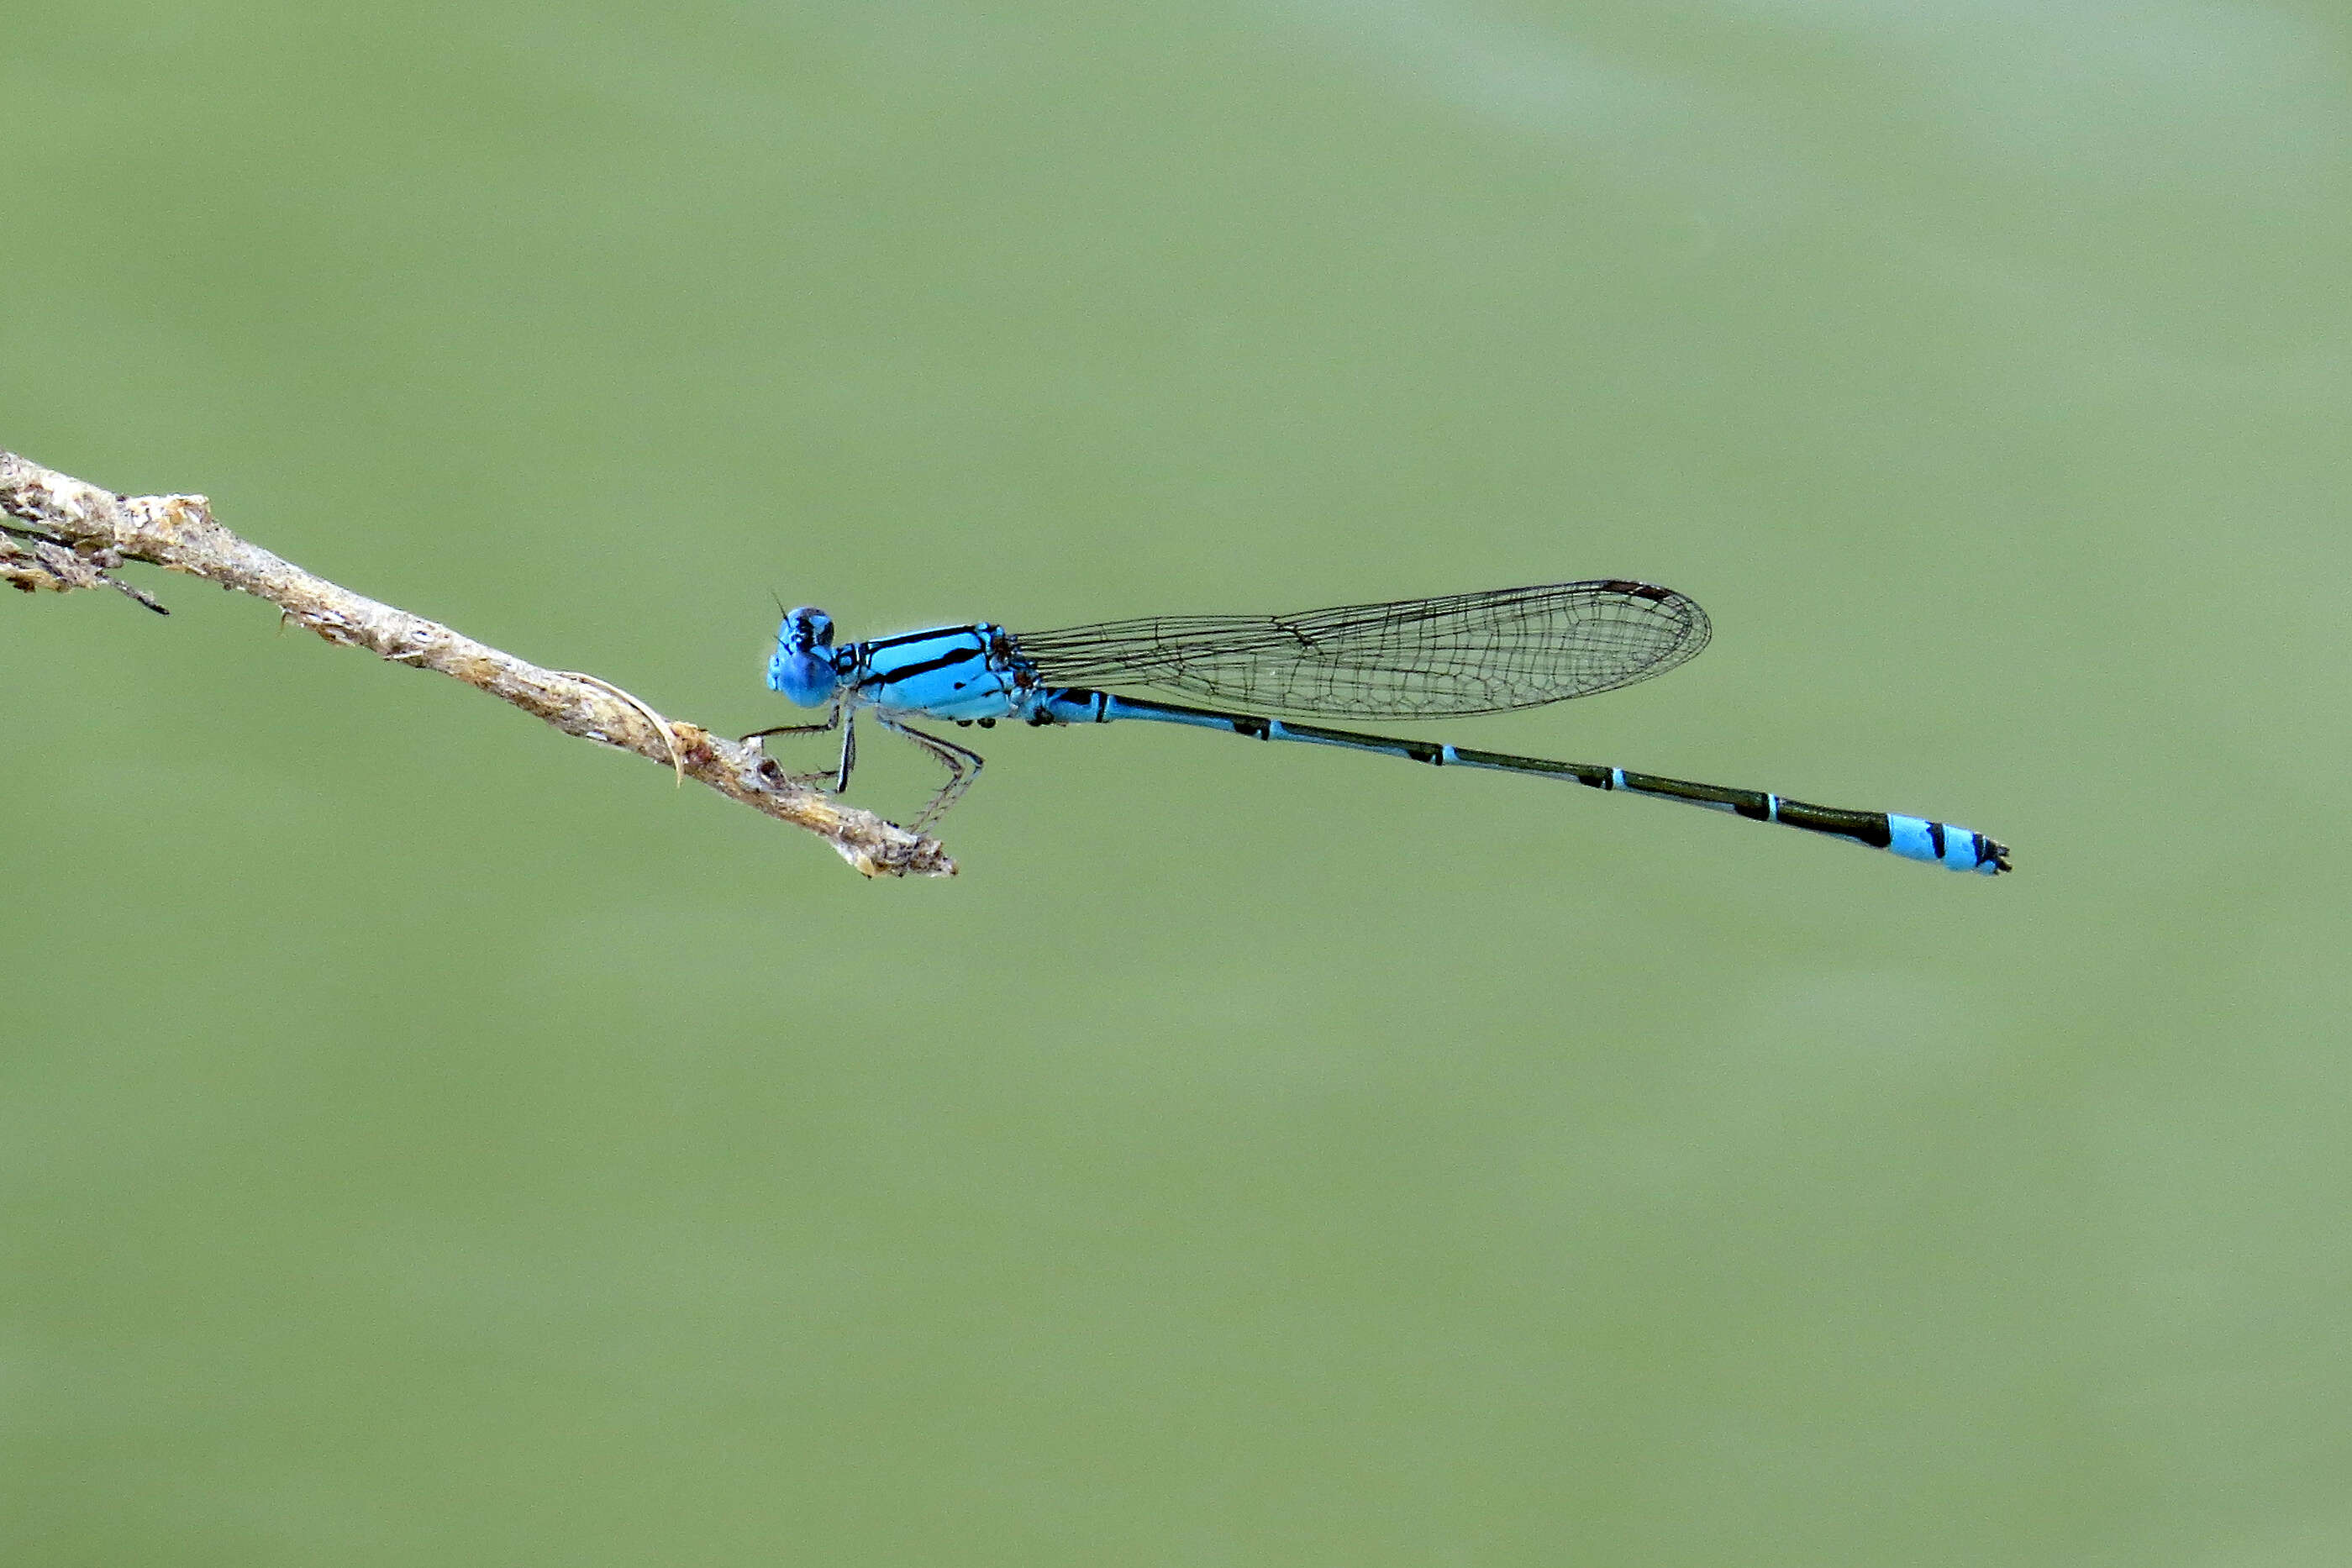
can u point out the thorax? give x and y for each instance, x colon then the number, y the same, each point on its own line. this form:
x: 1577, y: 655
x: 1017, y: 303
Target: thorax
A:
x: 946, y: 672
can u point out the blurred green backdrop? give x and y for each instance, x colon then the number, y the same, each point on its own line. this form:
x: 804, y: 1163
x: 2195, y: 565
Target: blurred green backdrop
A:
x: 425, y: 1139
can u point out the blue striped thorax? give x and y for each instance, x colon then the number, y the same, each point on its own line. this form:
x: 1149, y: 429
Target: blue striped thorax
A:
x: 960, y: 673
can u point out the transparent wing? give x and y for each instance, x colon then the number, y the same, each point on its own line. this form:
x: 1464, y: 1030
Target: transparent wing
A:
x: 1465, y: 653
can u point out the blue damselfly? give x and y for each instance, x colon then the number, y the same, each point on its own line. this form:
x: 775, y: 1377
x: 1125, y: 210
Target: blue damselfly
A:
x: 1416, y: 659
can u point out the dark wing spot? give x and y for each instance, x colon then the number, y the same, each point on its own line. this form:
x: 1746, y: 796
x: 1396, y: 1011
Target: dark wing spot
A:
x: 1638, y: 590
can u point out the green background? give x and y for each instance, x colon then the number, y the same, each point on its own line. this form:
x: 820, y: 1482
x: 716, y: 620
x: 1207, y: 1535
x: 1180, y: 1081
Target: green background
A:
x: 426, y: 1139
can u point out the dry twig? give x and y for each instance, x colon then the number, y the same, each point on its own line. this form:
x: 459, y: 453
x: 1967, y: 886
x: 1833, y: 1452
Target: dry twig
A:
x: 60, y: 533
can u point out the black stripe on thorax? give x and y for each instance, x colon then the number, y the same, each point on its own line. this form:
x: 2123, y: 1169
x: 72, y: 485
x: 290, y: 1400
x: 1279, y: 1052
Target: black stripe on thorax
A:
x: 908, y: 671
x: 935, y: 632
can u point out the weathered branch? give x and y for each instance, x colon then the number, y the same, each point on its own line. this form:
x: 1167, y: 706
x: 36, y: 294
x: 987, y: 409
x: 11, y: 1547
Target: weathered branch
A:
x: 59, y: 533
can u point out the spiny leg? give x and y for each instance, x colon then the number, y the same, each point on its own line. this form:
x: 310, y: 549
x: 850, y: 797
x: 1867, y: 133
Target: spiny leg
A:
x: 841, y: 719
x: 948, y: 755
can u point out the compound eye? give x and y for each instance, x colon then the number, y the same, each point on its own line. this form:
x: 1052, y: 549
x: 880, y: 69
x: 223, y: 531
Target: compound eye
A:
x: 812, y: 627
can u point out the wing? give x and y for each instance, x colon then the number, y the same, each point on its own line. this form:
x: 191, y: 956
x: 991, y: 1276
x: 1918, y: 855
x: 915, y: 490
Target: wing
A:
x: 1466, y: 653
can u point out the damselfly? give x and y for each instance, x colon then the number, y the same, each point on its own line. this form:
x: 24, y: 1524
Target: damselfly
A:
x: 1416, y: 659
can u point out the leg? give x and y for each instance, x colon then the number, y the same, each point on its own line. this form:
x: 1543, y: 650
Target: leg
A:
x: 838, y: 718
x: 832, y: 721
x: 963, y: 767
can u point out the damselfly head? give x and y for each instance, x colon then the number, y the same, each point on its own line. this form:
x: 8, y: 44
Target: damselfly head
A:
x: 801, y: 667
